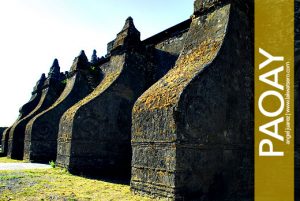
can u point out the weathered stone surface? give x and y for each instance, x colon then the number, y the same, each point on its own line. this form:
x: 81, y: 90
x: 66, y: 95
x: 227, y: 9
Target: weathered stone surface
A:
x: 34, y: 100
x: 204, y: 5
x: 192, y: 131
x: 4, y: 142
x: 94, y: 134
x: 164, y: 49
x: 297, y: 100
x: 41, y: 131
x: 24, y: 111
x: 54, y: 72
x: 128, y: 37
x: 94, y: 59
x: 2, y: 129
x: 51, y: 90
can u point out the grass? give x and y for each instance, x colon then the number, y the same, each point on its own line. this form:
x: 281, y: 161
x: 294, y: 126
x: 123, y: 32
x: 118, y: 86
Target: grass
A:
x: 58, y: 184
x: 52, y: 164
x: 8, y: 160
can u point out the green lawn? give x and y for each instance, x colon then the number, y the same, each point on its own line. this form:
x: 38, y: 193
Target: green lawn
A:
x: 8, y: 160
x: 58, y: 184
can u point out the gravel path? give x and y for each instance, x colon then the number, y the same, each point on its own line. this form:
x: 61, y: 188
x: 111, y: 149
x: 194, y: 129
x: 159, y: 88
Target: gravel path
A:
x: 23, y: 166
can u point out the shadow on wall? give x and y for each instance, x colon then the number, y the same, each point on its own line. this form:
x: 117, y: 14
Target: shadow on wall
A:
x: 165, y: 61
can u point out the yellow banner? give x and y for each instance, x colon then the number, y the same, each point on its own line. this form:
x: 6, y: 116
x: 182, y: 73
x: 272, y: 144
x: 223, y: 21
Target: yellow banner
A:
x: 274, y: 100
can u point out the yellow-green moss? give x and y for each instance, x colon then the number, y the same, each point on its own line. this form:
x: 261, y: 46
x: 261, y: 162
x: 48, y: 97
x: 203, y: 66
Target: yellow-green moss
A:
x: 166, y: 92
x: 115, y: 69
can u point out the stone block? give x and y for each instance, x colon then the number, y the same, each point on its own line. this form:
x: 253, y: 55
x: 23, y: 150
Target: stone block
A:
x: 192, y: 131
x: 2, y: 133
x: 34, y: 100
x: 51, y: 90
x: 94, y: 134
x: 2, y: 129
x: 24, y: 111
x: 201, y: 6
x: 41, y: 131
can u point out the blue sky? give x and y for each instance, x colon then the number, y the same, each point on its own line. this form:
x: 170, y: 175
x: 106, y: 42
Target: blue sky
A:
x: 34, y: 32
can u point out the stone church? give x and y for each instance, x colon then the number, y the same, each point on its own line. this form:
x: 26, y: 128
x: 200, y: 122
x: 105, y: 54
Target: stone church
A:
x: 174, y: 112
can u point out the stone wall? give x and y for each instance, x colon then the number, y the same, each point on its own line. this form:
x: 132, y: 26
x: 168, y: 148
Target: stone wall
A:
x: 24, y: 111
x: 41, y: 131
x: 4, y: 142
x: 97, y: 130
x: 34, y: 100
x: 52, y: 88
x: 164, y: 49
x: 2, y: 129
x: 192, y: 131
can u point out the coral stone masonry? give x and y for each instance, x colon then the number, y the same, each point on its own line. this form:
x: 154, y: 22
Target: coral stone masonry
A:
x: 51, y: 90
x: 36, y: 94
x: 42, y: 130
x: 192, y: 131
x: 174, y: 112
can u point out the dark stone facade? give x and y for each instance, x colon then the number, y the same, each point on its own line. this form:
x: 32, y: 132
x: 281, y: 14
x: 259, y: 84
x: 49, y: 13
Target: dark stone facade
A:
x: 24, y: 111
x: 164, y: 49
x: 97, y: 130
x: 192, y: 131
x: 34, y: 100
x: 51, y: 90
x: 2, y: 130
x: 41, y: 131
x: 4, y: 142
